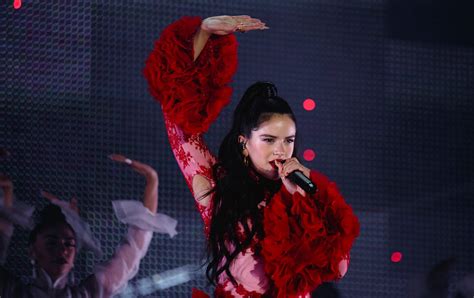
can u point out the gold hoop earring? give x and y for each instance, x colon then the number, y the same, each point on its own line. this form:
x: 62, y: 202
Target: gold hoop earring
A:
x: 245, y: 157
x: 246, y: 161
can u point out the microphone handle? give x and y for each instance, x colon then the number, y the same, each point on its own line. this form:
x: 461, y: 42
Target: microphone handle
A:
x: 298, y: 178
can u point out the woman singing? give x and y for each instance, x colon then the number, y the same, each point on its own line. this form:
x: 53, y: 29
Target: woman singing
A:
x: 266, y: 236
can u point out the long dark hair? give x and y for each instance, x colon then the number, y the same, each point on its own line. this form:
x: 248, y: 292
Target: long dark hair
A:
x: 239, y: 189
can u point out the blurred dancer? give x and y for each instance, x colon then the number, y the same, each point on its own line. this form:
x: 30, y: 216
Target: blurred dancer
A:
x: 60, y: 232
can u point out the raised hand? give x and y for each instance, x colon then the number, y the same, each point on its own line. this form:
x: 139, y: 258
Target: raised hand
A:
x: 143, y: 169
x: 223, y: 25
x: 150, y: 196
x: 54, y: 199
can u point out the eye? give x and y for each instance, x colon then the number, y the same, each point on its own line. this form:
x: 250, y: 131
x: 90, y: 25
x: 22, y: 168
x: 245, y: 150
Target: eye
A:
x: 268, y: 140
x: 51, y: 243
x: 289, y: 141
x: 70, y: 243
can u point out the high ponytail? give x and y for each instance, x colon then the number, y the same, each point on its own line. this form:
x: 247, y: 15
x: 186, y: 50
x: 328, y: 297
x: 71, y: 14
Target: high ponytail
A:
x: 237, y: 194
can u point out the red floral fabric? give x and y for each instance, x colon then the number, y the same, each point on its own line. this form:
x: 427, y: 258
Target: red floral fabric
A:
x: 221, y: 292
x: 190, y: 92
x: 307, y: 237
x: 194, y: 158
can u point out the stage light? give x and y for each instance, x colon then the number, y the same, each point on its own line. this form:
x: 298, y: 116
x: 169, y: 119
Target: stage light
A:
x: 17, y: 4
x: 396, y: 257
x: 309, y: 154
x: 309, y: 104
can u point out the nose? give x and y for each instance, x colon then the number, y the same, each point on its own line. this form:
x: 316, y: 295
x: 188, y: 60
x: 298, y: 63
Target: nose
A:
x: 62, y: 248
x: 279, y: 149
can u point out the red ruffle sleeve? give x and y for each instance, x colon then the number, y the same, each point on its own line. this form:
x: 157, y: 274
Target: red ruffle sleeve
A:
x: 192, y: 93
x: 307, y: 237
x: 199, y: 294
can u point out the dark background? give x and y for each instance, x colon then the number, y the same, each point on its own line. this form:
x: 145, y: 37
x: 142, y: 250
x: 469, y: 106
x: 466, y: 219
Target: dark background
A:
x: 393, y: 126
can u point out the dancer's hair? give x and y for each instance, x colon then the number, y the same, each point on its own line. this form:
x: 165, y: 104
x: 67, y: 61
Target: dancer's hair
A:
x: 50, y: 216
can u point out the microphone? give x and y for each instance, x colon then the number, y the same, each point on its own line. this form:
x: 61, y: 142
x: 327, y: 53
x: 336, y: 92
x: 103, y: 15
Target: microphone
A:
x: 298, y: 178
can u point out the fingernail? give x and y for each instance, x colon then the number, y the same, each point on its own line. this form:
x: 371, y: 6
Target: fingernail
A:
x: 110, y: 156
x: 128, y: 161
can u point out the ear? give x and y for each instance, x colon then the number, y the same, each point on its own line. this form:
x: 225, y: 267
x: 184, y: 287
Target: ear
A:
x: 243, y: 143
x: 242, y: 139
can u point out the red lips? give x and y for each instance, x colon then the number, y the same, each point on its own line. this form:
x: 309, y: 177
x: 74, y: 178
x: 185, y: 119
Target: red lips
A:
x: 273, y: 163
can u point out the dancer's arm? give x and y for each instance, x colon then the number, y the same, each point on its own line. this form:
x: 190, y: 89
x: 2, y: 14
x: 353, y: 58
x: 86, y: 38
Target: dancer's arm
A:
x: 188, y: 72
x: 10, y: 213
x: 113, y: 276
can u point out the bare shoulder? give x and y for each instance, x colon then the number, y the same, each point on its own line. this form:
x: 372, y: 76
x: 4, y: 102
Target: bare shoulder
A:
x: 201, y: 186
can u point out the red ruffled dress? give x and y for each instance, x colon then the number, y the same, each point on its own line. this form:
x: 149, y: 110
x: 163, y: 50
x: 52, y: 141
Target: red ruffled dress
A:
x: 306, y: 237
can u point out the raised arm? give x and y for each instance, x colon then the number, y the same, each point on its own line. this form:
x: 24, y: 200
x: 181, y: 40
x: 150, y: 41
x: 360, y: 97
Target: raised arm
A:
x: 188, y: 72
x: 10, y: 213
x: 143, y: 220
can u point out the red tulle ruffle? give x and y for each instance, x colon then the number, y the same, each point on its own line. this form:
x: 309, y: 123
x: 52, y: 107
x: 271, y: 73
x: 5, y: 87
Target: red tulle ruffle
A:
x: 192, y: 93
x: 220, y: 292
x: 306, y: 238
x: 199, y: 294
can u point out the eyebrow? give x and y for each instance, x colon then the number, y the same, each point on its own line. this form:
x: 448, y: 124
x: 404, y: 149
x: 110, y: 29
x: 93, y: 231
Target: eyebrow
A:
x: 271, y: 136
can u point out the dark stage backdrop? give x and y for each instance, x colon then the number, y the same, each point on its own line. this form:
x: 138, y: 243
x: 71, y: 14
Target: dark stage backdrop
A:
x: 393, y: 125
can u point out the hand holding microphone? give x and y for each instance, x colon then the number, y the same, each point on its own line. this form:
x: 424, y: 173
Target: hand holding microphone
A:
x: 295, y: 176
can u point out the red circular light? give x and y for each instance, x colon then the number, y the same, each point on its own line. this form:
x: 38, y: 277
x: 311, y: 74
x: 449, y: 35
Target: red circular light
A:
x: 309, y: 104
x: 309, y: 154
x: 396, y: 257
x: 17, y: 4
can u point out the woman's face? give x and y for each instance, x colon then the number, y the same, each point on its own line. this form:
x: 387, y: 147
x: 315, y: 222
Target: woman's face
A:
x: 273, y: 140
x: 54, y: 250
